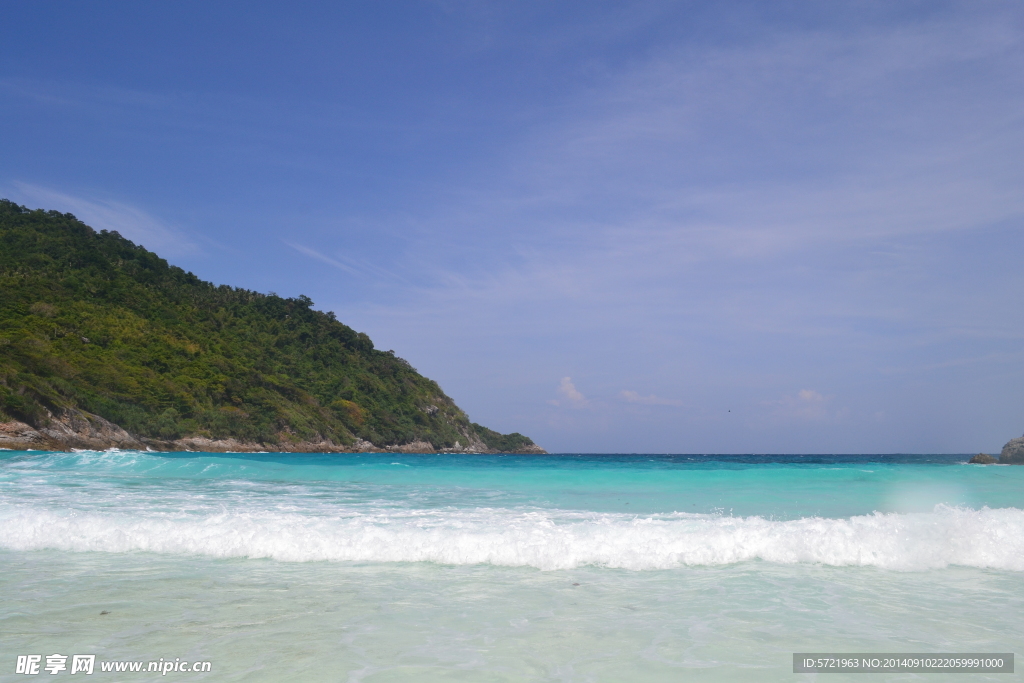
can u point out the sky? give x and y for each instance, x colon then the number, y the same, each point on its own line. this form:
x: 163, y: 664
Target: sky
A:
x: 664, y: 227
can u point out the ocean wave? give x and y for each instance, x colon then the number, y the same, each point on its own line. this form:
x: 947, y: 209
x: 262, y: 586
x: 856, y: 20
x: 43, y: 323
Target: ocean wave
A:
x: 544, y: 539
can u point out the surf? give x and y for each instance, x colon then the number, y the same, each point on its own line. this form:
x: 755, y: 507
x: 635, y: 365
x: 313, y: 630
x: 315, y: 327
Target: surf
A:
x: 541, y: 539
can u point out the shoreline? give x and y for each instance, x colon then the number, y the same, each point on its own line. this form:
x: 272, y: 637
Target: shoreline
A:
x: 79, y: 430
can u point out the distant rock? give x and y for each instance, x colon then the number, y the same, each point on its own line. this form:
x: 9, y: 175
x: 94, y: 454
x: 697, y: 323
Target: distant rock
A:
x: 68, y: 428
x: 984, y: 459
x: 1013, y: 452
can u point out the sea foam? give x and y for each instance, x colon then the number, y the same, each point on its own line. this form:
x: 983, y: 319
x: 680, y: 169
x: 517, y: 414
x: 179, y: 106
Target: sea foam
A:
x: 544, y: 539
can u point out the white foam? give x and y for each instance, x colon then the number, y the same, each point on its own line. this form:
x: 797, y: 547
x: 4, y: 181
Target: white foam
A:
x: 545, y: 539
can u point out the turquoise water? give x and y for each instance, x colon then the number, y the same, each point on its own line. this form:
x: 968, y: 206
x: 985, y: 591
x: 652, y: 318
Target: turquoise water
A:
x: 384, y: 567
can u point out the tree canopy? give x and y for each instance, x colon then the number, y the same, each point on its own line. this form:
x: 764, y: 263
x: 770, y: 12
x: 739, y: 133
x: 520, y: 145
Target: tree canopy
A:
x: 90, y: 320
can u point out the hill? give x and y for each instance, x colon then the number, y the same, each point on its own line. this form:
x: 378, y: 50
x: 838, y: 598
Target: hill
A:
x: 103, y: 343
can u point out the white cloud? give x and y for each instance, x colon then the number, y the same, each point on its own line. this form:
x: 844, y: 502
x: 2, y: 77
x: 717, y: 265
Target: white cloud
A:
x: 652, y: 400
x: 129, y: 221
x: 567, y: 389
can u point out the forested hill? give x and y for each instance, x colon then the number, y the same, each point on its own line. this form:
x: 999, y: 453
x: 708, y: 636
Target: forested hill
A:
x: 91, y: 322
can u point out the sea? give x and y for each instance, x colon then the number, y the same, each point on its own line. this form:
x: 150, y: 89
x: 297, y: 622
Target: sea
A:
x: 571, y: 568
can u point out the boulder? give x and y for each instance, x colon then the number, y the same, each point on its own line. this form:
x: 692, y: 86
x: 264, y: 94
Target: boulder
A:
x: 74, y: 428
x: 1013, y: 452
x: 983, y: 459
x: 18, y: 436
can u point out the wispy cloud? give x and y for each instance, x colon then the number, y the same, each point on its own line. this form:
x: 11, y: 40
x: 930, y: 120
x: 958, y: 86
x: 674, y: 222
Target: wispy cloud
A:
x: 130, y: 221
x: 784, y: 148
x: 813, y: 203
x: 312, y: 253
x: 570, y: 394
x: 716, y: 157
x: 359, y: 268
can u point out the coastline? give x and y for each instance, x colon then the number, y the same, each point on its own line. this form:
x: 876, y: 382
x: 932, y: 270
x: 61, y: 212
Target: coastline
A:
x: 77, y: 429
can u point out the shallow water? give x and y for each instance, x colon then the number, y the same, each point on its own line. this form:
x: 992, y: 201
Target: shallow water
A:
x: 404, y: 567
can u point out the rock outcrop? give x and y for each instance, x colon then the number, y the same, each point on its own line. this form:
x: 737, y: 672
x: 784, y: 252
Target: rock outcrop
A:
x: 1013, y: 452
x: 76, y: 429
x: 66, y: 430
x: 983, y: 459
x: 18, y: 436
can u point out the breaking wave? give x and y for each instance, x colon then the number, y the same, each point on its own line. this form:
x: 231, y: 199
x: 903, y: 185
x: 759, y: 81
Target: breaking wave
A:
x: 544, y: 539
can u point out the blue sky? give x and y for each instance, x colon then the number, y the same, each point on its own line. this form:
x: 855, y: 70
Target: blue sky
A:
x: 638, y: 227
